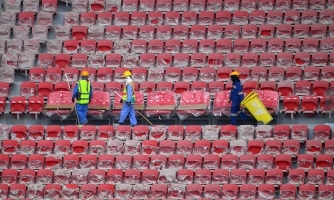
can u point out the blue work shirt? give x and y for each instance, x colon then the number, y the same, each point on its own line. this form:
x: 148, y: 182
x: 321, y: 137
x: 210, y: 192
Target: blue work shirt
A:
x: 236, y: 92
x: 129, y: 92
x: 75, y: 91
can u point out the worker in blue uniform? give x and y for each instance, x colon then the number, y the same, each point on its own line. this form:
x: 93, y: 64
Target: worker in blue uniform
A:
x: 128, y: 100
x: 236, y: 97
x: 83, y: 93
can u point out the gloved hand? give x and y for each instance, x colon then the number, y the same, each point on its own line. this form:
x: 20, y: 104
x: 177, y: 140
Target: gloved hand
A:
x: 72, y: 100
x: 121, y: 101
x: 129, y: 103
x: 229, y: 101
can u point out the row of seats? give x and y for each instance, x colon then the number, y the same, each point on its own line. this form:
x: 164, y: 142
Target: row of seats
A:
x: 204, y: 18
x: 175, y: 132
x: 30, y: 6
x: 167, y: 176
x: 252, y: 148
x: 302, y: 88
x: 161, y: 191
x: 175, y: 161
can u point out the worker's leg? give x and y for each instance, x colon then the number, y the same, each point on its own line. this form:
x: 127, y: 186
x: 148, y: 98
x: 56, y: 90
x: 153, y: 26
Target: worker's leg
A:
x: 132, y: 116
x: 234, y: 112
x: 81, y: 110
x: 124, y: 113
x: 243, y: 116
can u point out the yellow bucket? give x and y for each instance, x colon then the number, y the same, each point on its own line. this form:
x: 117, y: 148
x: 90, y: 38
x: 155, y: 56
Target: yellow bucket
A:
x: 256, y: 108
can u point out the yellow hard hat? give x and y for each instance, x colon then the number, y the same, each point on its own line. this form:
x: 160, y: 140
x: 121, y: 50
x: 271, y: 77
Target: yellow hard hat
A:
x: 234, y: 73
x: 84, y: 73
x: 127, y: 73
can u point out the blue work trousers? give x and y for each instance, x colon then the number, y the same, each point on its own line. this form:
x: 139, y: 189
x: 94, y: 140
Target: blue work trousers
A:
x: 128, y: 110
x: 235, y: 108
x: 81, y: 110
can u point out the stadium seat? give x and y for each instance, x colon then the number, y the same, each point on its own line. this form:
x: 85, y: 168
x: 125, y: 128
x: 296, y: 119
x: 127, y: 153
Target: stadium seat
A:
x: 220, y: 176
x: 45, y: 61
x: 149, y: 176
x: 155, y: 18
x: 274, y: 176
x: 229, y: 162
x: 319, y: 88
x: 299, y: 132
x: 176, y: 161
x: 230, y: 191
x: 103, y: 18
x: 138, y: 18
x: 256, y: 176
x: 114, y: 176
x: 167, y: 147
x: 303, y: 87
x: 321, y: 132
x: 266, y: 191
x: 265, y: 161
x: 113, y: 32
x: 247, y: 162
x: 309, y: 105
x: 311, y: 73
x: 158, y: 191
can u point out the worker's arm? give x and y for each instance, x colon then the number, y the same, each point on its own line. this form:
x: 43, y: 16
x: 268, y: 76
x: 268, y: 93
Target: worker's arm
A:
x: 75, y: 91
x: 129, y: 93
x: 240, y: 92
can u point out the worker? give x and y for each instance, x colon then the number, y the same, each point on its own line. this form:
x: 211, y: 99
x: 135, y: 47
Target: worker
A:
x: 83, y: 93
x: 128, y: 100
x: 236, y: 97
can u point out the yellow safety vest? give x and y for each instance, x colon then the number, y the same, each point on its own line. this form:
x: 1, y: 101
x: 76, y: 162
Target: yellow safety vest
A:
x: 83, y: 92
x: 125, y: 92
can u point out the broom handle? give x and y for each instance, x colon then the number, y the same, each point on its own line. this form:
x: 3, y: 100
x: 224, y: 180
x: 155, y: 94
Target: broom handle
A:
x: 138, y: 112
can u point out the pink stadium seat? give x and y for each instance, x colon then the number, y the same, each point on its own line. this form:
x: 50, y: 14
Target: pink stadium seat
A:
x: 155, y: 18
x: 318, y: 30
x: 71, y: 161
x: 309, y: 105
x: 17, y: 191
x: 139, y: 46
x: 184, y: 147
x: 319, y: 58
x: 291, y: 147
x: 284, y: 59
x: 294, y: 73
x: 285, y: 88
x: 327, y: 73
x: 199, y: 86
x: 155, y: 46
x: 268, y: 85
x: 305, y: 161
x: 194, y: 191
x: 249, y: 31
x: 220, y: 176
x: 158, y: 191
x: 321, y: 132
x: 17, y: 105
x: 258, y: 16
x: 18, y: 161
x: 185, y: 176
x: 313, y: 147
x: 291, y: 16
x: 330, y: 176
x: 113, y: 32
x: 307, y: 191
x: 211, y: 162
x: 215, y: 87
x: 189, y: 18
x: 104, y: 75
x: 255, y: 147
x: 229, y: 162
x: 224, y: 46
x: 164, y: 32
x: 310, y: 45
x: 311, y: 73
x: 247, y: 162
x: 131, y: 176
x: 230, y: 191
x: 283, y: 31
x: 325, y: 191
x: 149, y: 176
x: 299, y: 132
x: 233, y: 59
x: 175, y: 132
x: 87, y: 46
x: 276, y: 73
x: 275, y: 16
x: 266, y: 191
x: 172, y: 18
x: 62, y: 146
x: 103, y: 18
x: 259, y: 73
x: 97, y: 86
x: 324, y: 162
x: 316, y: 177
x: 45, y: 61
x: 300, y: 31
x: 205, y: 18
x: 256, y: 176
x: 25, y: 19
x: 164, y: 60
x: 165, y: 86
x: 250, y: 59
x: 241, y: 45
x: 130, y: 32
x: 176, y: 161
x: 61, y: 86
x: 71, y: 132
x: 319, y: 88
x: 114, y: 176
x: 240, y: 17
x: 274, y: 176
x: 326, y: 44
x: 212, y: 191
x: 121, y: 18
x: 232, y: 31
x: 273, y: 147
x: 249, y: 86
x: 274, y: 45
x: 10, y: 146
x: 266, y: 30
x: 238, y: 176
x: 265, y: 162
x: 79, y: 60
x: 223, y: 73
x: 303, y: 87
x: 180, y: 87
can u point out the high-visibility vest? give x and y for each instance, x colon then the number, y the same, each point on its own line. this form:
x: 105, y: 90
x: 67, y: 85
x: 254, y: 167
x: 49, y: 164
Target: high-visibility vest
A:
x: 83, y: 92
x: 125, y: 93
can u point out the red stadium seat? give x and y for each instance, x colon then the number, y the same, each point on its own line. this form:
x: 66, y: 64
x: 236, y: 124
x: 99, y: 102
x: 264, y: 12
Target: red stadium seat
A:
x: 305, y: 161
x: 230, y: 191
x: 258, y: 16
x: 25, y: 19
x: 285, y: 88
x: 113, y: 32
x: 249, y: 31
x: 155, y: 18
x: 158, y: 191
x: 293, y: 73
x: 266, y: 30
x: 309, y: 105
x: 316, y: 177
x: 319, y: 88
x: 17, y: 105
x: 79, y: 33
x: 321, y: 132
x: 241, y: 45
x: 299, y: 132
x: 104, y: 18
x: 176, y: 161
